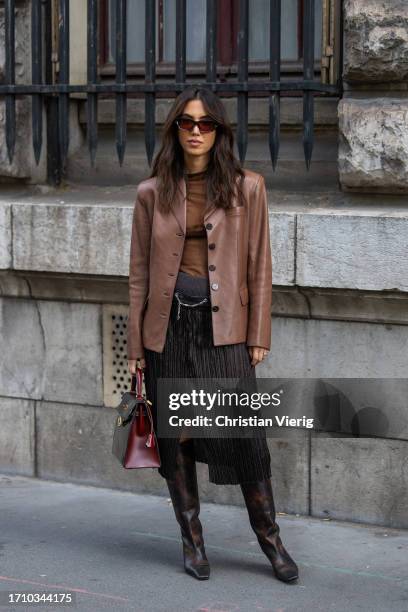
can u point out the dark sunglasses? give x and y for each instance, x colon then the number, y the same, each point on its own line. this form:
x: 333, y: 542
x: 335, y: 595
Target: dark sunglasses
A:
x: 204, y: 125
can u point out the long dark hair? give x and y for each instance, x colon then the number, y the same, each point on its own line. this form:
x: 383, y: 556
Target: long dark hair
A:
x: 223, y: 167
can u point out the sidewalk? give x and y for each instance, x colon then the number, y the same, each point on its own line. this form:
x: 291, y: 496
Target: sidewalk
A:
x: 122, y: 551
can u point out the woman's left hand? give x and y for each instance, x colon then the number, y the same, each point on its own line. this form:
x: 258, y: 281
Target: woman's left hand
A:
x: 257, y: 354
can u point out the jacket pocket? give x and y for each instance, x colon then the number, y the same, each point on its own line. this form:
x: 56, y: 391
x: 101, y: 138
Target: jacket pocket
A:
x: 243, y: 294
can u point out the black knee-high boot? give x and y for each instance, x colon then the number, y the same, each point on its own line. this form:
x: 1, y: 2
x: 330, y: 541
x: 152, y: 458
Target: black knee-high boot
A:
x: 261, y: 509
x: 184, y: 495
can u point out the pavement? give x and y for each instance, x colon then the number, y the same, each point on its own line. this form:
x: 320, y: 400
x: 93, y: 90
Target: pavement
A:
x: 118, y: 551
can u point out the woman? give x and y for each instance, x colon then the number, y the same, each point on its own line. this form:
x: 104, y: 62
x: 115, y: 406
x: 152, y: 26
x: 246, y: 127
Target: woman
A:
x: 200, y: 289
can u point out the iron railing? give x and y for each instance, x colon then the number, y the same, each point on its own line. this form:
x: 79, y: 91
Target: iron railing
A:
x: 56, y: 95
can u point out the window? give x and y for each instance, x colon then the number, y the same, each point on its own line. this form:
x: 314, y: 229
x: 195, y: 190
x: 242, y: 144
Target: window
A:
x: 291, y: 37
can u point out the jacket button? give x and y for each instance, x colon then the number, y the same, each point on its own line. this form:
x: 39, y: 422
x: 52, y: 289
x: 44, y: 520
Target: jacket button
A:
x: 211, y: 245
x: 214, y: 286
x: 163, y: 315
x: 175, y: 254
x: 211, y: 267
x: 209, y: 226
x: 215, y: 308
x: 179, y: 234
x: 171, y: 274
x: 166, y: 294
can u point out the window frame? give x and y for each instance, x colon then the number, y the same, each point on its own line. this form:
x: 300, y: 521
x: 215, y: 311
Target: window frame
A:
x: 290, y: 69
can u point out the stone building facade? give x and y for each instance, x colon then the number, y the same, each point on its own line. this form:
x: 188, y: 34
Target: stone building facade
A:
x: 339, y: 236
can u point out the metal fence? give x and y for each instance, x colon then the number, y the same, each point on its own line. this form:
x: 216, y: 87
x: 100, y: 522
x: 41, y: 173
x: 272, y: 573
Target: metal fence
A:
x: 55, y: 95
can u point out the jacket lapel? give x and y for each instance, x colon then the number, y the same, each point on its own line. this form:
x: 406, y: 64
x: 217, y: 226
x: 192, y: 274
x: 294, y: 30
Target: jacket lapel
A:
x: 179, y: 209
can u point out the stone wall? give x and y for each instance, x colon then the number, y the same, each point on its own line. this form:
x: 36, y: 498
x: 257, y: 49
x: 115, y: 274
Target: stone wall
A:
x: 373, y: 114
x: 375, y: 41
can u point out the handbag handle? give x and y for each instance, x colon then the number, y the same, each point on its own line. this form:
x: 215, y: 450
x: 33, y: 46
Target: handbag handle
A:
x: 136, y: 384
x: 136, y: 388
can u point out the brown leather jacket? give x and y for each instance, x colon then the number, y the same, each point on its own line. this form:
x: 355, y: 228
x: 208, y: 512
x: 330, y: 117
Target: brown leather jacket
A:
x: 239, y: 262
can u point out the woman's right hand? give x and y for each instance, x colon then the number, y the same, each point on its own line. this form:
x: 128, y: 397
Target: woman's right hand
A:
x: 133, y: 362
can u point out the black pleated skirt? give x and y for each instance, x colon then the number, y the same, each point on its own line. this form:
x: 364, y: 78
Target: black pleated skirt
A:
x: 189, y: 352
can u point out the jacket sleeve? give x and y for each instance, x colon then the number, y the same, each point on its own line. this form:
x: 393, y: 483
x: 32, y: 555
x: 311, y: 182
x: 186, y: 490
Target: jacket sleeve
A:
x: 259, y: 270
x: 138, y: 277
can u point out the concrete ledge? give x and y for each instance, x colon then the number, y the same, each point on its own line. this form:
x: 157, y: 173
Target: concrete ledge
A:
x: 358, y: 248
x: 96, y: 240
x: 81, y: 239
x: 352, y: 251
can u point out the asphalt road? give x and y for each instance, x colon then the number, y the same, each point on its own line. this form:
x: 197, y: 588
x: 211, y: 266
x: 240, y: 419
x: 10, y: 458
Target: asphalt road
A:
x: 121, y: 551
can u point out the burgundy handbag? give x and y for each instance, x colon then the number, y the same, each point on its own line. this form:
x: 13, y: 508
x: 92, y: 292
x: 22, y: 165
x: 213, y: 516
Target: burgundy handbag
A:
x: 134, y: 439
